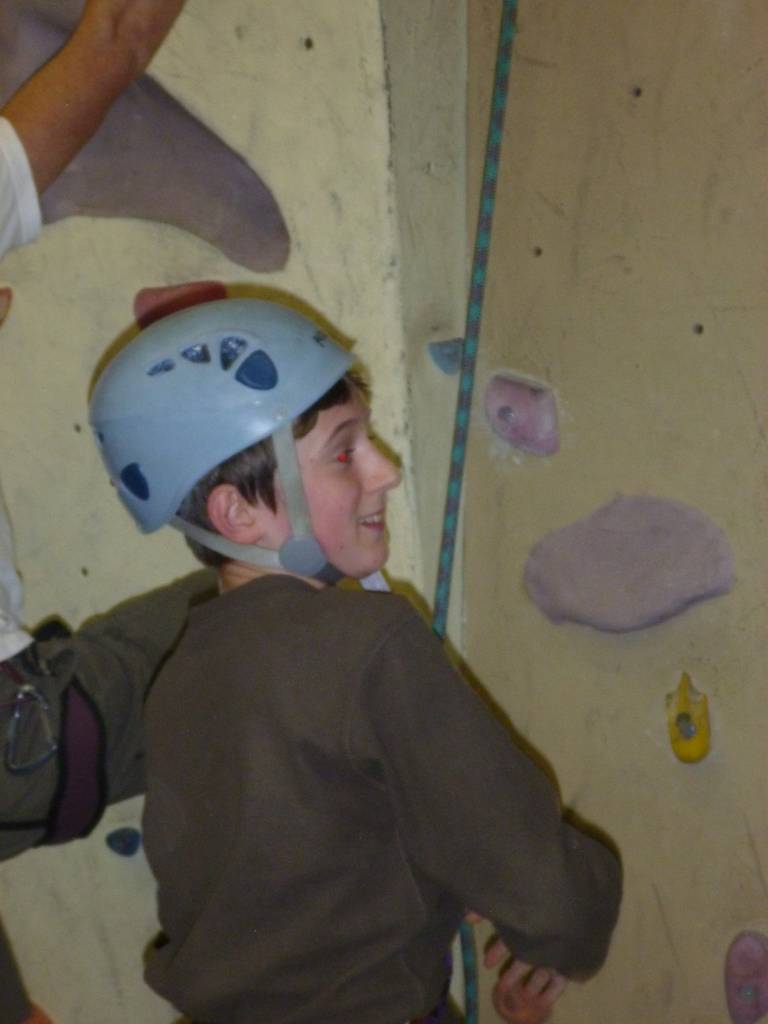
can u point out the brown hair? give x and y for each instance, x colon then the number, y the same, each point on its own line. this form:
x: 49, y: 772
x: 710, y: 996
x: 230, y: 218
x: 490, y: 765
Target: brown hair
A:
x: 252, y: 470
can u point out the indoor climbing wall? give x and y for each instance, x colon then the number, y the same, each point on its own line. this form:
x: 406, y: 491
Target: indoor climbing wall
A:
x: 289, y: 101
x: 616, y: 595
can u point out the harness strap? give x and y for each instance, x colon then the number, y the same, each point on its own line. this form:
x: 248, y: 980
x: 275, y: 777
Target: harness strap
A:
x: 81, y: 794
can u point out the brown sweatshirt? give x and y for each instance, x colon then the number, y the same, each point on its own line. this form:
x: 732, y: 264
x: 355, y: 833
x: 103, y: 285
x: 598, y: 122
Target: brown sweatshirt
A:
x: 326, y: 798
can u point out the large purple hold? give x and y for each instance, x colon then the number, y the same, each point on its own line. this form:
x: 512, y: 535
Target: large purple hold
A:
x: 630, y: 564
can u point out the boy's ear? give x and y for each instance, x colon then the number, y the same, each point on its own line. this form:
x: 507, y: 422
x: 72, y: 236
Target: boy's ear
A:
x: 234, y: 517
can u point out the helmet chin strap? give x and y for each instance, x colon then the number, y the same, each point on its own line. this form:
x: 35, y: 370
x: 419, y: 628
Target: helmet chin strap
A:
x: 301, y: 554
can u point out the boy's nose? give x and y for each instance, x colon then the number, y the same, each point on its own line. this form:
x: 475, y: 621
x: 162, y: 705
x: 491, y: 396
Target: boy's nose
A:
x: 385, y: 474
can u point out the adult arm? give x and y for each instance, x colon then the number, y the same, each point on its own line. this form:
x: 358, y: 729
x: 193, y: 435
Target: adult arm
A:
x: 58, y: 109
x: 480, y: 818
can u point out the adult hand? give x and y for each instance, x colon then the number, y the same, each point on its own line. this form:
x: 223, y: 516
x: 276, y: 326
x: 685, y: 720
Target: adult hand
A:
x: 58, y: 109
x: 139, y: 26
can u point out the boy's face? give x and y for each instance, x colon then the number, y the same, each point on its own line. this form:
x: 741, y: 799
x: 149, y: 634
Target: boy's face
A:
x: 346, y: 480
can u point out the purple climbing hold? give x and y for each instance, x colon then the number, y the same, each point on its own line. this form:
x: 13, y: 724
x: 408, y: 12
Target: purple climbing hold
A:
x: 523, y: 413
x: 746, y: 978
x: 630, y: 564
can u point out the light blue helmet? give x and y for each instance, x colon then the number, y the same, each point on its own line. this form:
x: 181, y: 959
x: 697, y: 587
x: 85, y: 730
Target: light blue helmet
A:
x: 199, y: 386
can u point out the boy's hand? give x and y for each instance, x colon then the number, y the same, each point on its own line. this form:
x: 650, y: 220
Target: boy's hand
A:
x: 523, y: 994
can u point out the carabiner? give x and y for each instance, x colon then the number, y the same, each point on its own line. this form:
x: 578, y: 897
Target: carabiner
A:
x: 25, y: 693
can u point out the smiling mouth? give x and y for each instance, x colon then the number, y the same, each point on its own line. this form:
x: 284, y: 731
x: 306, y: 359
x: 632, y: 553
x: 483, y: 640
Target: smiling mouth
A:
x: 376, y: 521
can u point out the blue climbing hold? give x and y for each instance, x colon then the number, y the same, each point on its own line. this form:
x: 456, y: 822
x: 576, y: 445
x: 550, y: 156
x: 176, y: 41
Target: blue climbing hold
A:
x: 446, y: 355
x: 124, y: 841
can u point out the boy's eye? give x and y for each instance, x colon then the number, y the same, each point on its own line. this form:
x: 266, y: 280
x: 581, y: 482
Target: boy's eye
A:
x: 345, y: 456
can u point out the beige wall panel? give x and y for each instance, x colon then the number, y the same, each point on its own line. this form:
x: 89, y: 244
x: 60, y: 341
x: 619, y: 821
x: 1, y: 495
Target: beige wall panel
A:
x: 631, y: 210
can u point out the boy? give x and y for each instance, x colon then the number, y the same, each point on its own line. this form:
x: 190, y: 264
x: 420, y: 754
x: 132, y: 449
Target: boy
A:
x: 326, y: 796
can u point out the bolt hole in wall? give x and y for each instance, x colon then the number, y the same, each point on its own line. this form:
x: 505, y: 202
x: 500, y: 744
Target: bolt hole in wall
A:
x: 309, y: 43
x: 698, y: 328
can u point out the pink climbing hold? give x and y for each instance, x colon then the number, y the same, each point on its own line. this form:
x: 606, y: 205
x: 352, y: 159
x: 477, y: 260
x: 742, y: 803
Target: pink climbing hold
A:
x: 523, y: 413
x: 746, y: 978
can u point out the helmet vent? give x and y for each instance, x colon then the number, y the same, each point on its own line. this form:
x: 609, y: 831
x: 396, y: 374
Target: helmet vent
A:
x: 163, y: 366
x: 134, y: 480
x: 257, y: 371
x: 229, y: 350
x: 197, y: 354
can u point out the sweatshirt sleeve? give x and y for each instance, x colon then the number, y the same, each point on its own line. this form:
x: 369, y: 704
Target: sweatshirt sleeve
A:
x: 479, y: 817
x: 20, y: 218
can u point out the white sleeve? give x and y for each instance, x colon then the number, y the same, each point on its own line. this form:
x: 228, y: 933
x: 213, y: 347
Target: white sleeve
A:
x: 19, y: 223
x: 12, y: 636
x: 20, y: 218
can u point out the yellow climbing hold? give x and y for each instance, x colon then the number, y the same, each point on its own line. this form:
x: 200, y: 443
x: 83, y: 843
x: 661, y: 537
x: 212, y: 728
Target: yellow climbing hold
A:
x: 688, y: 721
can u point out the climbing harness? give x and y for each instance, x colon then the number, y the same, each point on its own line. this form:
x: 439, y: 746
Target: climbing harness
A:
x: 464, y: 399
x: 78, y: 744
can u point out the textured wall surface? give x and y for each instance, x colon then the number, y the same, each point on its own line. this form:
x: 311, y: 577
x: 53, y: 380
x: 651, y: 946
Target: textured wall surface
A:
x: 628, y: 271
x: 301, y: 88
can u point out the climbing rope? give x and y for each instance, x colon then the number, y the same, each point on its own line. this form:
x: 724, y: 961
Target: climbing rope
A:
x: 464, y: 399
x: 474, y: 315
